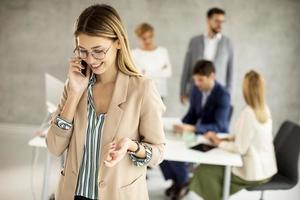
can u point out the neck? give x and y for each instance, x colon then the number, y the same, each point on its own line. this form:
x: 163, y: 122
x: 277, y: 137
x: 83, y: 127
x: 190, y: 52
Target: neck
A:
x: 212, y: 85
x: 211, y: 33
x: 108, y: 76
x: 148, y: 48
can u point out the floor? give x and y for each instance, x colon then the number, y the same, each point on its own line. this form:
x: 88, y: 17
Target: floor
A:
x: 18, y: 182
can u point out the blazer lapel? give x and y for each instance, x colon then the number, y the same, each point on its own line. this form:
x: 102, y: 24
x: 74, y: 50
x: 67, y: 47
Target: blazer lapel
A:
x: 80, y: 120
x: 219, y: 49
x: 115, y: 112
x: 113, y: 117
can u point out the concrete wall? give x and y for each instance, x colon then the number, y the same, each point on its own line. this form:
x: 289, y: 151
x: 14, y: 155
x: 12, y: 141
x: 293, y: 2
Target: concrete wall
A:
x: 36, y: 37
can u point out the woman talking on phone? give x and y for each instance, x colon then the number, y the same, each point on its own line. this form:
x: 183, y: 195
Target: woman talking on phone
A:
x: 109, y: 116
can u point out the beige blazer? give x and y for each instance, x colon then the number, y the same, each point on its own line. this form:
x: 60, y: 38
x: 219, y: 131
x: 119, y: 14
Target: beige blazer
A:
x: 135, y: 112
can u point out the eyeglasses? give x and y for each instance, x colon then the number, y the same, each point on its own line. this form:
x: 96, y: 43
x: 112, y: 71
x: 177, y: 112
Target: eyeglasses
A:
x: 98, y: 54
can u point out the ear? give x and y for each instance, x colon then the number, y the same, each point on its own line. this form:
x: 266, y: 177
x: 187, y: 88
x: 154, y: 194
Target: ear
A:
x: 118, y: 44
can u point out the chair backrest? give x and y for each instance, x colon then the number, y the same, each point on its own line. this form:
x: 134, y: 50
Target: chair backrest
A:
x: 287, y: 149
x: 230, y: 113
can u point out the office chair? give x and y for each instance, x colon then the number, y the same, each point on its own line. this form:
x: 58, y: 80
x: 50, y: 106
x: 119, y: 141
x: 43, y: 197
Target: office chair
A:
x: 287, y: 149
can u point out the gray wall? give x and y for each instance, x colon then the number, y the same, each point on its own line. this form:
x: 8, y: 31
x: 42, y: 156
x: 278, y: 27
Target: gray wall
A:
x: 36, y: 37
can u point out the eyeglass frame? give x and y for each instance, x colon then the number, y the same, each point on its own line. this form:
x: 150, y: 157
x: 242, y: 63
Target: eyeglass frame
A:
x: 91, y: 52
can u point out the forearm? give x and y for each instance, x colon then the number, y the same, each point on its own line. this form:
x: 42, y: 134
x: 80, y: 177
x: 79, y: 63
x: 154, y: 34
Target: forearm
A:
x: 70, y: 106
x: 133, y: 147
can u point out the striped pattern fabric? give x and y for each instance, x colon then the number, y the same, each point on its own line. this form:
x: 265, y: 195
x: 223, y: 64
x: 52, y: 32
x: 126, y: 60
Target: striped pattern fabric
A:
x: 88, y: 175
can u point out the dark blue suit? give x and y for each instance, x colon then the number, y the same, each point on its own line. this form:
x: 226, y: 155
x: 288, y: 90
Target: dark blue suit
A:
x: 213, y: 116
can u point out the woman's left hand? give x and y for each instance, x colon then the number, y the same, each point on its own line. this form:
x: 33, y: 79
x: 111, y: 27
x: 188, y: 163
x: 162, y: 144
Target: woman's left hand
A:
x: 116, y: 151
x: 212, y: 137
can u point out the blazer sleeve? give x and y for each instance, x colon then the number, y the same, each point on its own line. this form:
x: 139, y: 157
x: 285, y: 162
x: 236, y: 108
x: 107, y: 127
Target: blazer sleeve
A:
x: 58, y: 139
x: 191, y: 116
x: 186, y: 72
x: 243, y: 136
x: 150, y: 125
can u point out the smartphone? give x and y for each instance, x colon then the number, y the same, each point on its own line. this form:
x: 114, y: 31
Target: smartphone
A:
x: 85, y: 65
x: 203, y: 147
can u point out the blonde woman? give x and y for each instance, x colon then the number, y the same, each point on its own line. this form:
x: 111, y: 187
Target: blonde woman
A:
x: 152, y: 60
x: 252, y: 138
x: 109, y: 117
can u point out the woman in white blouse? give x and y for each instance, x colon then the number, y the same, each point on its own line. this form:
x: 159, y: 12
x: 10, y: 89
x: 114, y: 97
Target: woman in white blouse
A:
x: 252, y: 138
x: 152, y: 60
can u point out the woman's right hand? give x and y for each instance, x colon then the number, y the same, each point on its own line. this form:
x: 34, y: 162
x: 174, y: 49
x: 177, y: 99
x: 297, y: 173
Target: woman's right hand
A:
x: 77, y: 81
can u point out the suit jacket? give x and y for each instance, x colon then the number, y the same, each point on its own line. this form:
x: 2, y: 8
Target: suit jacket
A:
x: 214, y: 115
x: 223, y: 62
x: 135, y: 112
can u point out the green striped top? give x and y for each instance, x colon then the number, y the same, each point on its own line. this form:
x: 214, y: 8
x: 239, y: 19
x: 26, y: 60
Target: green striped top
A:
x: 88, y: 175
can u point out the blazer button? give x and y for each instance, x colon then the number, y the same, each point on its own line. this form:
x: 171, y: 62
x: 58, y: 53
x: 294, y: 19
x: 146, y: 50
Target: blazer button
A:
x: 102, y: 184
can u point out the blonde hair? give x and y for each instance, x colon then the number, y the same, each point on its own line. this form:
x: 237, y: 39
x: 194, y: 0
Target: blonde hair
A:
x: 254, y: 95
x: 143, y: 28
x: 104, y: 21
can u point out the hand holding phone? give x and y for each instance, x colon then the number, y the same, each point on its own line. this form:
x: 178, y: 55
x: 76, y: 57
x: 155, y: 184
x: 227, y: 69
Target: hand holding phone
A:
x: 85, y: 65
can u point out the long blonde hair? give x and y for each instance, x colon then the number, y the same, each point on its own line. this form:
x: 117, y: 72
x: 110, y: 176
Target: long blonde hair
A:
x: 104, y: 21
x: 254, y: 95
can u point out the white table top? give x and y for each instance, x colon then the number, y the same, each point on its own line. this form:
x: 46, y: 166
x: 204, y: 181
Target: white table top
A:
x: 177, y: 150
x: 37, y: 141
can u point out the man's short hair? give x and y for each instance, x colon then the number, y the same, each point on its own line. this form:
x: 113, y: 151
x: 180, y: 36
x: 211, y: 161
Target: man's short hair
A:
x: 215, y: 10
x: 204, y: 68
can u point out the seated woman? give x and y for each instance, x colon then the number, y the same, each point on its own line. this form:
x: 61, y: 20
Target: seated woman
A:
x: 252, y: 138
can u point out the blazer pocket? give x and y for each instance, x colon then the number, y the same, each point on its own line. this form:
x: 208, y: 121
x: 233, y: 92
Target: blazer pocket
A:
x: 135, y: 190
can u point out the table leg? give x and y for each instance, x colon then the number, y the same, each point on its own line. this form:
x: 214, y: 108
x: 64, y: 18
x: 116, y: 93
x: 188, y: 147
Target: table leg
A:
x: 226, y: 184
x: 46, y: 176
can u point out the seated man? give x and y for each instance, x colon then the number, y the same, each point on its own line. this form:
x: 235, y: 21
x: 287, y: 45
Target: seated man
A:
x: 209, y: 111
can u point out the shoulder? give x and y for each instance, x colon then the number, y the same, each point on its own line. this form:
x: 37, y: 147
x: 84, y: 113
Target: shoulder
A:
x: 248, y: 112
x: 140, y: 83
x: 162, y: 49
x: 221, y: 90
x: 227, y: 40
x: 196, y: 39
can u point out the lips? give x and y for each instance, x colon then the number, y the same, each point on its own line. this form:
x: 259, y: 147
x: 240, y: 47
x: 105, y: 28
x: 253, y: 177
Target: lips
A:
x: 97, y: 66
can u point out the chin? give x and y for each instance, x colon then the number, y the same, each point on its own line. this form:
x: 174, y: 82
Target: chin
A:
x: 99, y: 70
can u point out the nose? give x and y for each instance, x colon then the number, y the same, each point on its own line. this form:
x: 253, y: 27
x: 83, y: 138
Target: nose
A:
x: 90, y: 59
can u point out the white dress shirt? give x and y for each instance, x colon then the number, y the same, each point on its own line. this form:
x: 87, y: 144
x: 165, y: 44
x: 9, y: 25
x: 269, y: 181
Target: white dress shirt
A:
x: 156, y: 65
x: 254, y: 141
x: 211, y: 46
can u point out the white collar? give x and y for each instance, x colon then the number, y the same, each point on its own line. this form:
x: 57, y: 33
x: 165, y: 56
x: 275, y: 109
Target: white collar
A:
x: 218, y: 36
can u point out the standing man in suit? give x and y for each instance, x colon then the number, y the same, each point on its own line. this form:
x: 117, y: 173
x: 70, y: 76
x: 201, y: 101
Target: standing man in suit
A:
x: 209, y: 111
x: 213, y: 46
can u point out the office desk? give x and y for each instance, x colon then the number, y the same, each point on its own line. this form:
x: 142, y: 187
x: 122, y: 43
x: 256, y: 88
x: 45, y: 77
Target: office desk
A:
x: 39, y: 142
x: 178, y: 150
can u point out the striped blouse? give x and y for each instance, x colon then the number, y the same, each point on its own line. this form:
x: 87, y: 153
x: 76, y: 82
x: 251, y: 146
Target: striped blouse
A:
x: 88, y: 174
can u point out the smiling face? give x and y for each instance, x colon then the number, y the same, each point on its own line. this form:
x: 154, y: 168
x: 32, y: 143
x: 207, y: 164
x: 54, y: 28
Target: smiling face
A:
x: 98, y: 46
